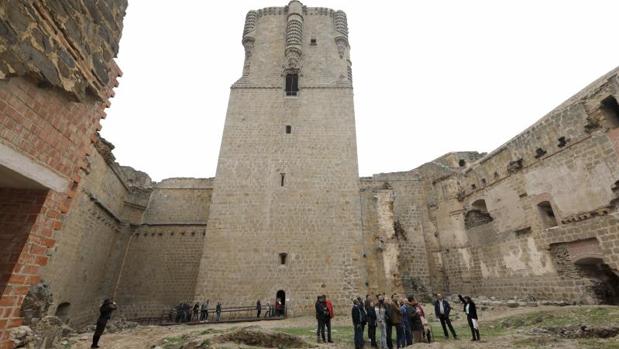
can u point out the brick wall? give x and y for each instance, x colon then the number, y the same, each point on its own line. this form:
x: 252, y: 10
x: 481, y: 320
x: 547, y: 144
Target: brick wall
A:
x: 28, y: 219
x: 56, y: 76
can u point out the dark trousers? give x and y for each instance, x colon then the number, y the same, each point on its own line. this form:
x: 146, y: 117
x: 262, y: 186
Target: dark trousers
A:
x: 389, y: 340
x: 203, y: 315
x: 320, y: 331
x: 399, y: 335
x: 445, y: 320
x: 372, y: 334
x: 359, y: 336
x: 474, y: 331
x: 98, y: 332
x: 259, y: 311
x: 408, y: 336
x: 328, y: 325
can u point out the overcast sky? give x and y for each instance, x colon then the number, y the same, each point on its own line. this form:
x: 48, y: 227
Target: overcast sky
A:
x: 430, y: 76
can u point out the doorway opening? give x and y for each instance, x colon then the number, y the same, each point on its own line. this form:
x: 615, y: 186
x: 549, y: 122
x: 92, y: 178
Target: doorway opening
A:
x: 280, y: 303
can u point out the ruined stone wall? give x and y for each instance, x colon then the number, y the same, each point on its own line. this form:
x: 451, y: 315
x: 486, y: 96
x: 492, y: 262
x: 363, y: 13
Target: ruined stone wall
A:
x: 84, y: 263
x: 494, y: 239
x: 164, y: 253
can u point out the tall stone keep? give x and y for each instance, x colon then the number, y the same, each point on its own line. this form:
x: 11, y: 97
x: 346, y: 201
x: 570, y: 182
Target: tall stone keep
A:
x: 285, y: 213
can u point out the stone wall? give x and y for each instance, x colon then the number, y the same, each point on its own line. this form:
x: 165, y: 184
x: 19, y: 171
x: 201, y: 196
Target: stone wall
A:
x: 84, y: 263
x: 163, y: 257
x: 128, y: 238
x: 502, y: 221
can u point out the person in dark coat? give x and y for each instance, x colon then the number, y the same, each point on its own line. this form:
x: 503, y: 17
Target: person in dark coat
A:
x: 414, y: 319
x: 187, y: 307
x: 322, y: 314
x: 371, y: 313
x: 105, y: 313
x: 258, y: 308
x: 471, y: 316
x: 218, y: 311
x: 442, y: 310
x: 196, y: 312
x: 358, y: 321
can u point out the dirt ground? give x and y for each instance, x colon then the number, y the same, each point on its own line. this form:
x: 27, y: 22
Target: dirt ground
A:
x: 500, y: 328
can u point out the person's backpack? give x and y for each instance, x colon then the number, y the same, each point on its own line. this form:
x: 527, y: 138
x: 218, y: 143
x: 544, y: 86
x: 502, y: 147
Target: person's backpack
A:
x: 324, y: 311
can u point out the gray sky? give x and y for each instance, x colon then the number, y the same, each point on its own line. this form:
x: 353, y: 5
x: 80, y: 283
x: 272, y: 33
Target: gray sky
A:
x: 430, y: 76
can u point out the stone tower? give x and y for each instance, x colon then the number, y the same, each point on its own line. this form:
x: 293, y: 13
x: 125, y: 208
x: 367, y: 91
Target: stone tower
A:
x: 285, y: 213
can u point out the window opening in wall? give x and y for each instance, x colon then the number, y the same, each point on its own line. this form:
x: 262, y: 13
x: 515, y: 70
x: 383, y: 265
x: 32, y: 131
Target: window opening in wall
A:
x: 288, y: 129
x: 292, y: 84
x: 282, y: 258
x: 547, y: 214
x: 461, y: 163
x: 313, y: 42
x: 610, y: 109
x: 282, y: 179
x: 62, y: 312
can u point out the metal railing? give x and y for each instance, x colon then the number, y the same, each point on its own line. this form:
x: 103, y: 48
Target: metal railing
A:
x: 227, y: 314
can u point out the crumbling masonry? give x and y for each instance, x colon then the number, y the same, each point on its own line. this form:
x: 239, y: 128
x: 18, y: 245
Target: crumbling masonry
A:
x: 287, y: 213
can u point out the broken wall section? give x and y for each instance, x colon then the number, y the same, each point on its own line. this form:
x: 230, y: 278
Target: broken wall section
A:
x: 66, y: 44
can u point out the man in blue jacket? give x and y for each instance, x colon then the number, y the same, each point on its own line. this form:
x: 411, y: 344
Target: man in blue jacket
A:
x: 441, y: 310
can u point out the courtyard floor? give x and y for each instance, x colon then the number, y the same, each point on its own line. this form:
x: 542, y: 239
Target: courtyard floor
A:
x: 529, y: 327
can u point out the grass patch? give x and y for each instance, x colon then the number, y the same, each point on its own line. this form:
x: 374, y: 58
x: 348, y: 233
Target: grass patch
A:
x: 174, y: 342
x: 512, y: 325
x: 339, y: 334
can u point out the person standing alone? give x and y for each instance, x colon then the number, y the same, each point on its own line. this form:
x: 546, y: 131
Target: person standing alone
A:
x: 105, y: 313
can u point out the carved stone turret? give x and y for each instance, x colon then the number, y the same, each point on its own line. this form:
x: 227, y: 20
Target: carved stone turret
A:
x: 294, y: 35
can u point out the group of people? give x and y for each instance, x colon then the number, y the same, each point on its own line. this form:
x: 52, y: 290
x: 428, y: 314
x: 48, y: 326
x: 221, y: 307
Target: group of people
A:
x: 404, y: 314
x: 184, y: 312
x: 278, y: 310
x: 407, y: 317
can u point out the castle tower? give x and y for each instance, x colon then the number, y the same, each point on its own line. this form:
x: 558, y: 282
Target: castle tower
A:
x: 285, y: 213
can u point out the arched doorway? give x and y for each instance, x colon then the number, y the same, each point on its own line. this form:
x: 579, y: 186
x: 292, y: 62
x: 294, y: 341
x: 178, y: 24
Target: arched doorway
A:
x: 281, y: 295
x: 605, y: 282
